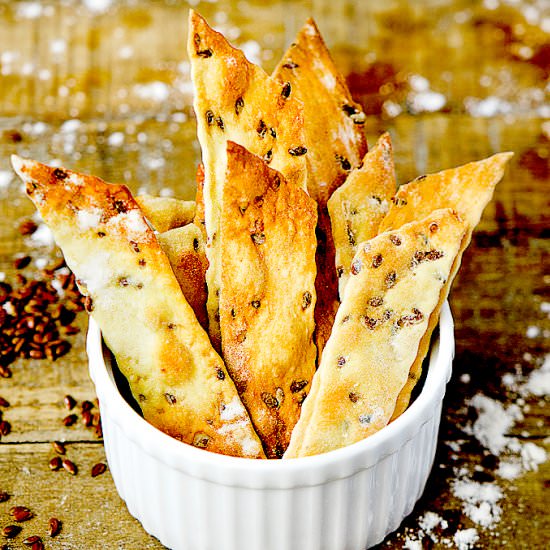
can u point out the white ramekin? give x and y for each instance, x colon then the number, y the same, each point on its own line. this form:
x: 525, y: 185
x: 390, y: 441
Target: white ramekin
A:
x: 350, y: 498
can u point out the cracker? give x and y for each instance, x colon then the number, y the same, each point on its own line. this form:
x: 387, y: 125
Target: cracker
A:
x: 467, y: 189
x: 267, y: 298
x: 199, y: 200
x: 396, y: 282
x: 359, y: 205
x: 179, y: 381
x: 185, y: 249
x: 236, y: 100
x: 165, y: 213
x: 333, y: 124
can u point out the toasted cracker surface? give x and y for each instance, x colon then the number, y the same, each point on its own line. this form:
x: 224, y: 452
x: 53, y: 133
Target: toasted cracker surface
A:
x: 333, y: 124
x: 179, y: 381
x: 165, y: 213
x: 185, y: 249
x: 359, y: 205
x: 396, y: 281
x: 467, y: 189
x: 236, y: 100
x: 267, y: 294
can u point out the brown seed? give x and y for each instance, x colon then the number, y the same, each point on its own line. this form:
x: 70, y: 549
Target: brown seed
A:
x: 5, y: 427
x: 11, y: 531
x: 27, y: 227
x: 70, y: 466
x: 59, y: 447
x: 29, y: 541
x: 87, y: 418
x: 298, y: 151
x: 22, y: 262
x: 20, y: 513
x: 87, y: 406
x: 54, y: 527
x: 70, y: 419
x: 55, y: 463
x: 4, y: 496
x: 98, y: 469
x: 38, y: 546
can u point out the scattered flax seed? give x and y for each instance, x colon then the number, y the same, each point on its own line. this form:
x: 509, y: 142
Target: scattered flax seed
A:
x: 70, y: 419
x: 20, y: 513
x: 11, y: 531
x: 5, y: 427
x: 4, y: 403
x: 99, y: 469
x: 4, y: 496
x: 69, y: 401
x: 54, y: 527
x: 86, y: 406
x: 55, y: 464
x: 59, y: 447
x: 70, y: 466
x: 27, y: 227
x: 22, y: 262
x: 87, y: 419
x: 30, y: 541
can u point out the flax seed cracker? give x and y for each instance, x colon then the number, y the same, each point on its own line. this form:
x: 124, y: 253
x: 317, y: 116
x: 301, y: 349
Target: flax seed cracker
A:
x: 236, y: 100
x: 359, y: 205
x: 395, y: 284
x: 467, y: 189
x: 177, y: 378
x: 185, y: 249
x: 165, y: 213
x: 334, y: 130
x: 267, y: 298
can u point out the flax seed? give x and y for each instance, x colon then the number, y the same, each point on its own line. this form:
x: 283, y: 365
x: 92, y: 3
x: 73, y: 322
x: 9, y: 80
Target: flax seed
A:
x: 59, y: 447
x: 55, y: 463
x: 98, y: 469
x: 70, y: 466
x: 33, y: 539
x: 54, y: 527
x: 11, y: 531
x: 20, y: 513
x: 70, y: 419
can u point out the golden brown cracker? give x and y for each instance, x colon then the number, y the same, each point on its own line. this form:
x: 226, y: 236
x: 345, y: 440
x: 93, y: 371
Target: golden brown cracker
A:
x: 333, y: 124
x: 165, y: 213
x: 359, y: 205
x: 267, y: 298
x: 333, y: 121
x: 236, y: 100
x: 396, y: 281
x: 185, y: 249
x: 179, y: 381
x: 467, y: 189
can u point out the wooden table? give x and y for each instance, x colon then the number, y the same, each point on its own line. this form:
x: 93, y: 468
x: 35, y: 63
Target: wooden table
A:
x: 144, y: 136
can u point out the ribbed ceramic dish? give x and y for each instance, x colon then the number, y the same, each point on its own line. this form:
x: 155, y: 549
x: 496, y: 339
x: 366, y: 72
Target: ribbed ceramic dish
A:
x: 348, y: 499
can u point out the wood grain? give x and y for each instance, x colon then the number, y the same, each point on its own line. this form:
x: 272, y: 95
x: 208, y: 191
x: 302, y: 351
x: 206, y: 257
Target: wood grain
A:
x: 496, y: 298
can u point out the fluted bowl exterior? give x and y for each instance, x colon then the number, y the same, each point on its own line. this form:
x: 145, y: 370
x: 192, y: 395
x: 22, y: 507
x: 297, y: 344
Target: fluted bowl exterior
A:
x: 348, y: 499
